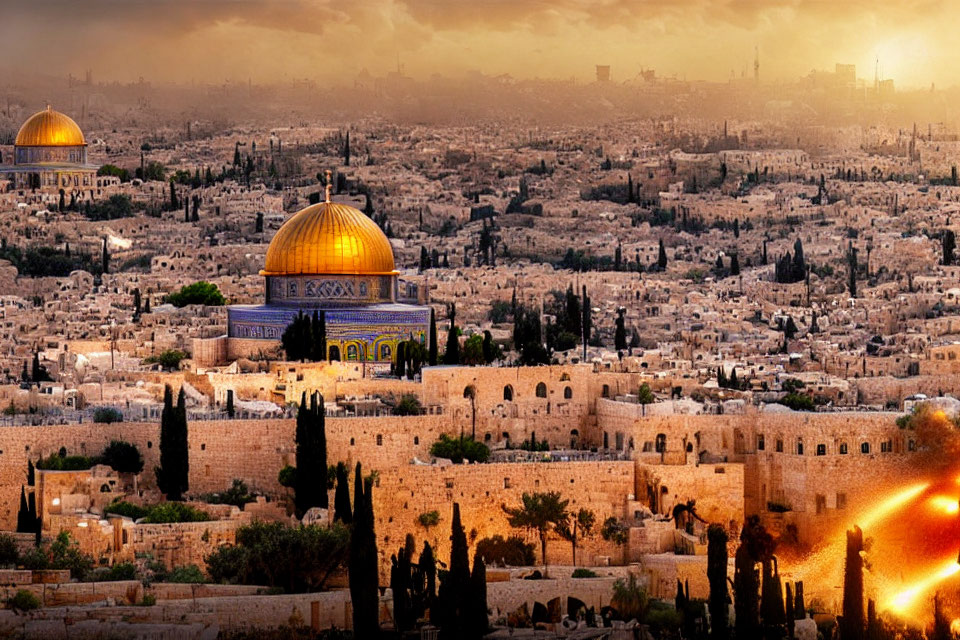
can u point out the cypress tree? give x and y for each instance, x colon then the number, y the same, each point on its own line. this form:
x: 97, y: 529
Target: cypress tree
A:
x: 799, y: 608
x: 346, y: 150
x: 433, y: 338
x: 174, y: 203
x: 400, y: 584
x: 230, y: 409
x: 455, y: 585
x: 851, y: 627
x: 104, y: 258
x: 949, y: 243
x: 452, y: 354
x: 717, y: 577
x: 662, y: 256
x: 341, y: 499
x: 31, y: 473
x: 23, y: 514
x: 428, y: 569
x: 574, y: 316
x: 585, y: 322
x: 173, y: 472
x: 620, y: 335
x: 478, y: 620
x: 745, y: 588
x: 362, y: 567
x: 136, y: 301
x: 791, y: 618
x: 318, y: 336
x: 400, y: 368
x: 771, y: 599
x: 310, y: 487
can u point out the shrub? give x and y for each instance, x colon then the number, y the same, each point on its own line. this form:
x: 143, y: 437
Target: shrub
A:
x: 296, y: 559
x: 148, y: 600
x: 508, y: 552
x: 190, y: 574
x: 9, y: 551
x: 23, y: 601
x: 429, y: 519
x: 459, y: 449
x: 120, y: 571
x: 122, y: 457
x: 174, y: 512
x: 58, y: 462
x: 409, y: 405
x: 107, y: 415
x: 126, y: 509
x: 287, y: 476
x: 614, y: 531
x: 169, y: 359
x: 583, y: 573
x: 237, y: 495
x: 778, y: 507
x: 629, y: 598
x: 201, y: 292
x: 797, y: 402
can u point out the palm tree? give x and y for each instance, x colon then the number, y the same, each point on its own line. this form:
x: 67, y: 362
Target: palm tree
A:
x: 540, y: 512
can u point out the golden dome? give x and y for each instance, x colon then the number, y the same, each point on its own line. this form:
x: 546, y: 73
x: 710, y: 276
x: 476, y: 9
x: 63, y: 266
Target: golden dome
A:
x: 49, y: 128
x: 329, y: 238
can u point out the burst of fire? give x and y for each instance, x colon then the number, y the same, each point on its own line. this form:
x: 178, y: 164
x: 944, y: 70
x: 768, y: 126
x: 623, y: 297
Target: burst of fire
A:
x: 904, y: 601
x: 891, y: 504
x: 945, y: 504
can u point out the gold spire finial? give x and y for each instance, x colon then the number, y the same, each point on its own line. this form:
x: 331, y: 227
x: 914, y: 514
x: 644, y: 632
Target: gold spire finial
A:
x: 329, y: 184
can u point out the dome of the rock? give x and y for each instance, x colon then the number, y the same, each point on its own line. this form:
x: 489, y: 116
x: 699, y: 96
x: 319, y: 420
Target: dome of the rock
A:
x: 329, y: 238
x: 49, y: 128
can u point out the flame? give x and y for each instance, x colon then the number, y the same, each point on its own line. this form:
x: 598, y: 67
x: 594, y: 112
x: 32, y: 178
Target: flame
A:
x: 946, y: 504
x: 891, y: 504
x: 903, y: 601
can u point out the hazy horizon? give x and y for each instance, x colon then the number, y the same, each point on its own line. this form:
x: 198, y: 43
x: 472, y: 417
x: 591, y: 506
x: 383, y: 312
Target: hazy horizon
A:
x: 282, y: 40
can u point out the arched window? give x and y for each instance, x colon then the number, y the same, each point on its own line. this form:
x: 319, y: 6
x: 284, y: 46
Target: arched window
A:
x: 352, y: 352
x: 660, y: 444
x: 799, y: 446
x: 564, y: 377
x: 385, y: 352
x: 508, y: 393
x: 541, y: 390
x: 567, y: 393
x: 761, y: 443
x: 334, y: 353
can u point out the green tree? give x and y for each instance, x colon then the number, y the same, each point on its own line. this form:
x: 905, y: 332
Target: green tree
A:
x: 363, y: 573
x: 645, y: 395
x: 577, y: 526
x: 174, y: 470
x: 123, y: 457
x: 459, y: 449
x: 201, y: 292
x: 473, y: 350
x: 541, y: 513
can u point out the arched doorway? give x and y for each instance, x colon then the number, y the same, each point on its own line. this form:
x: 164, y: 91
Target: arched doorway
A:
x: 335, y: 353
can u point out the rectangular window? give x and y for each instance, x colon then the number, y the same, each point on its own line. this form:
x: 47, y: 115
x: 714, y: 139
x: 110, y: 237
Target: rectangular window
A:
x: 841, y: 501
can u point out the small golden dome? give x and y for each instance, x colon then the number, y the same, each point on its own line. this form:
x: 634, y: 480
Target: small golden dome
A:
x: 49, y: 128
x: 329, y: 238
